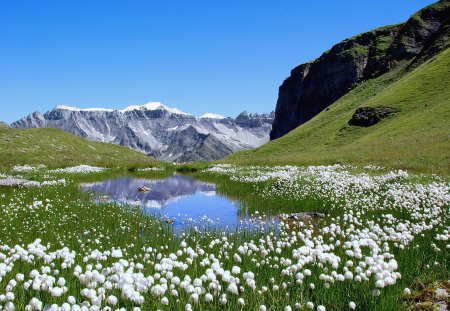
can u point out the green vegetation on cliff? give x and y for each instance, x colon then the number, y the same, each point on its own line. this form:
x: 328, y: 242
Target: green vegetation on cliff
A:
x: 416, y: 138
x: 56, y: 148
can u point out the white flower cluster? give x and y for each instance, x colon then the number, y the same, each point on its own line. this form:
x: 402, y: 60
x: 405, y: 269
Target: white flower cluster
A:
x: 151, y: 169
x: 80, y: 169
x: 58, y: 182
x: 28, y: 168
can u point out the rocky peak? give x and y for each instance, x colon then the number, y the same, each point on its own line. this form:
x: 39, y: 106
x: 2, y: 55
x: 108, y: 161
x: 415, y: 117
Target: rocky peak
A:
x: 253, y: 119
x: 35, y: 119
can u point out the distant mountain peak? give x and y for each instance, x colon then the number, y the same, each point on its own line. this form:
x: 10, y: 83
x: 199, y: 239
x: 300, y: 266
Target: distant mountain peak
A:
x: 148, y: 106
x: 155, y: 106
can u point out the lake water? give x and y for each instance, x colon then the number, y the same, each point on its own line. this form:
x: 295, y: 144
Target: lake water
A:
x: 179, y: 198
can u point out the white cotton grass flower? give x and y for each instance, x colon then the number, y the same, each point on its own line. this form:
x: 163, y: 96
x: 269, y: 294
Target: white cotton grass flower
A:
x: 236, y: 270
x: 194, y: 298
x: 71, y: 300
x: 165, y: 301
x: 56, y: 292
x: 352, y: 305
x: 209, y: 297
x: 223, y: 300
x: 112, y: 300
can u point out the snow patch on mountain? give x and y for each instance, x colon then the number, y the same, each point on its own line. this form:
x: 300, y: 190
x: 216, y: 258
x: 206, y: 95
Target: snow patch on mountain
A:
x: 209, y: 115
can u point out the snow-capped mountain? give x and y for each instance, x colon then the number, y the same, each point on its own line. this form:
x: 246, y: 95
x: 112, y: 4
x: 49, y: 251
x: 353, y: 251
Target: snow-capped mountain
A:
x: 164, y: 133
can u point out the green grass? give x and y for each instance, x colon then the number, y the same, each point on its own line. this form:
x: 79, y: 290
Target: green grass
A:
x: 416, y: 138
x: 56, y: 148
x: 382, y: 43
x: 356, y: 50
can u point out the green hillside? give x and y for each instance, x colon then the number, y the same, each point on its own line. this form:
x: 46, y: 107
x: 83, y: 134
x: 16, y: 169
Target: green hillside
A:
x: 416, y: 138
x: 56, y: 148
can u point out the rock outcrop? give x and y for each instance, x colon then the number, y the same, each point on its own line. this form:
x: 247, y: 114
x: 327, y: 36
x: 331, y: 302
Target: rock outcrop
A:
x: 164, y: 133
x: 368, y: 116
x: 314, y: 86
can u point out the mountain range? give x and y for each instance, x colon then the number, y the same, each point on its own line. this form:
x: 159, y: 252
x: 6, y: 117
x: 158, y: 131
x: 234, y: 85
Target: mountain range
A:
x: 161, y: 132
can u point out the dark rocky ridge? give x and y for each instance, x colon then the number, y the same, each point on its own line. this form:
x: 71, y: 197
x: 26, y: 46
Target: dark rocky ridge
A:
x: 314, y: 86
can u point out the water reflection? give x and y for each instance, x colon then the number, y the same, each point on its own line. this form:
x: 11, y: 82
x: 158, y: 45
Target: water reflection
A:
x: 178, y: 198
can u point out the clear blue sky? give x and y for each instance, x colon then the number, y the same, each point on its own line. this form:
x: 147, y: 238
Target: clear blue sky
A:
x: 198, y: 56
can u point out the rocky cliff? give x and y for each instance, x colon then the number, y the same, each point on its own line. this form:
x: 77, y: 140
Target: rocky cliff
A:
x: 164, y: 133
x: 313, y: 86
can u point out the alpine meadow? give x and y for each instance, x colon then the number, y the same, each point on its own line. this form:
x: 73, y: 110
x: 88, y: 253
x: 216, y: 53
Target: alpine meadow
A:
x: 336, y: 198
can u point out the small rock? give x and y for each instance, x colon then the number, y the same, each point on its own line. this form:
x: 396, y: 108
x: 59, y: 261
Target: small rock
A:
x: 441, y: 294
x: 143, y: 189
x: 441, y: 306
x: 304, y: 215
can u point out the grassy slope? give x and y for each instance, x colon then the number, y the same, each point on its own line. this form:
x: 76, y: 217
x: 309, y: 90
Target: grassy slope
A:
x: 56, y: 148
x: 417, y: 138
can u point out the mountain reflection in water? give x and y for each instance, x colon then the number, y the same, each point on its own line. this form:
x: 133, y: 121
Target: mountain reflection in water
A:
x: 179, y: 198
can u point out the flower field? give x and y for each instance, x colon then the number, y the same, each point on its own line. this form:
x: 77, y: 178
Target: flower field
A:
x: 384, y: 232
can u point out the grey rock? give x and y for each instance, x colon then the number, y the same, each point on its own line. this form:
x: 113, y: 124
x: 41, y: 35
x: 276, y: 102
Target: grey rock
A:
x: 161, y: 132
x: 368, y: 116
x: 440, y: 294
x: 441, y: 306
x: 304, y: 215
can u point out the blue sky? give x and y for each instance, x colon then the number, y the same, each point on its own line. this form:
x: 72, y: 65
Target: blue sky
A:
x: 198, y: 56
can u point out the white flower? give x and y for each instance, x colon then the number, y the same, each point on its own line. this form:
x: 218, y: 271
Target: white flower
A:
x: 61, y: 282
x: 71, y: 300
x: 237, y: 258
x: 194, y: 298
x: 56, y: 292
x: 235, y: 270
x: 352, y: 305
x: 111, y: 300
x: 209, y: 297
x: 232, y: 288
